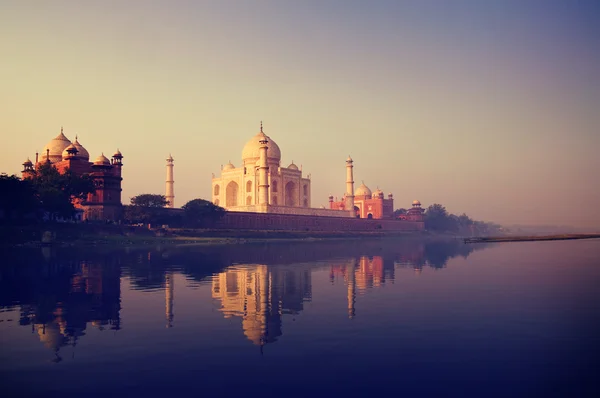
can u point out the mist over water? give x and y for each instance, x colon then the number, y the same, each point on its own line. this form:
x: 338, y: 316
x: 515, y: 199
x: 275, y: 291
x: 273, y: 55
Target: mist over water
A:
x: 371, y: 316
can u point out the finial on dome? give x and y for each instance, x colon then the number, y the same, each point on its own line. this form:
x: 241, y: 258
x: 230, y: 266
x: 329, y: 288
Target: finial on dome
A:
x: 61, y: 129
x: 261, y: 126
x: 75, y: 137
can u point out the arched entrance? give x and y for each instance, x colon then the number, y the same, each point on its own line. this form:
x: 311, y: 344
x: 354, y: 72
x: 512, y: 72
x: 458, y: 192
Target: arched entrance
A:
x: 291, y: 193
x: 231, y: 194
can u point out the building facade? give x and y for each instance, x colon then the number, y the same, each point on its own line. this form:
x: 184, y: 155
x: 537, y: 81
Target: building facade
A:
x: 104, y: 204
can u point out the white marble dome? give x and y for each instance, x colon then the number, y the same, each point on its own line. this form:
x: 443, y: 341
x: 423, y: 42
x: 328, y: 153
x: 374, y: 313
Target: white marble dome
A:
x: 378, y: 194
x: 56, y: 146
x: 293, y: 166
x: 251, y: 151
x: 363, y: 190
x: 229, y: 166
x: 416, y: 203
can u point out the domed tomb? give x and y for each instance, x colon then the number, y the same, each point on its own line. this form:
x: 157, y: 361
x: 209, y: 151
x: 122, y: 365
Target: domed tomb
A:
x: 54, y: 149
x: 363, y: 190
x: 251, y: 151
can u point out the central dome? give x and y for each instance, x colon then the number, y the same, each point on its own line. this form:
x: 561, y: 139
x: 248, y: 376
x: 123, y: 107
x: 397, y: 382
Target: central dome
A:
x: 363, y: 190
x: 251, y: 151
x: 55, y: 148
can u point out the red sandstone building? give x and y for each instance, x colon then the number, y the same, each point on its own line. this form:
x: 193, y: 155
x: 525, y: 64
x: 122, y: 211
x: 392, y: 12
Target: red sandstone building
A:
x: 105, y: 203
x: 368, y: 204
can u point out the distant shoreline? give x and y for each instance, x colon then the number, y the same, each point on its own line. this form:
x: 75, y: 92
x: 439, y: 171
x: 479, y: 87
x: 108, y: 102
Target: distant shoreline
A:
x: 492, y: 239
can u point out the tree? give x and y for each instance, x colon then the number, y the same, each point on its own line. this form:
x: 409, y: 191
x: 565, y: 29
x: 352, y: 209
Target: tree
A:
x: 200, y: 212
x: 149, y: 209
x: 149, y: 200
x: 56, y: 192
x: 17, y: 198
x: 399, y: 212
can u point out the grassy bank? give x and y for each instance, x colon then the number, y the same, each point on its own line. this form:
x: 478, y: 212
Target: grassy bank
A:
x: 101, y: 234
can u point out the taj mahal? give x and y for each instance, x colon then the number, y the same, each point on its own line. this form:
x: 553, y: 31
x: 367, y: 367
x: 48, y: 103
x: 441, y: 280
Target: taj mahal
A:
x: 262, y: 185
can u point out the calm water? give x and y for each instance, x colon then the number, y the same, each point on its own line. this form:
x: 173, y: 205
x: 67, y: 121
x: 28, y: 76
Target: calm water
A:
x: 339, y: 319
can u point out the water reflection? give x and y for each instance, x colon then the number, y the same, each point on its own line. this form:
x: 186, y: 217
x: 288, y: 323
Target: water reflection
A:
x: 62, y: 293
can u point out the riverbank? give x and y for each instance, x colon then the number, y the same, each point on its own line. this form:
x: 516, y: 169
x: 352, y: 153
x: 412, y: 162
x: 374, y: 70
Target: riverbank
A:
x: 64, y: 235
x: 491, y: 239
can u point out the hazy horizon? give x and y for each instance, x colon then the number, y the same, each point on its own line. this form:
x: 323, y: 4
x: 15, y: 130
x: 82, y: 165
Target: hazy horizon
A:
x: 489, y: 108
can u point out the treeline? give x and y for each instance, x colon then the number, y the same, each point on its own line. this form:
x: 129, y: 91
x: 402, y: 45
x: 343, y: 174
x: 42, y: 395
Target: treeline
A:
x: 438, y: 219
x: 48, y: 194
x: 151, y: 209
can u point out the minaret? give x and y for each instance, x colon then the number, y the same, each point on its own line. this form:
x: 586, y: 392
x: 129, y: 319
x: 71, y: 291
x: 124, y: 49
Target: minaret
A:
x: 263, y: 182
x: 349, y: 184
x: 170, y: 191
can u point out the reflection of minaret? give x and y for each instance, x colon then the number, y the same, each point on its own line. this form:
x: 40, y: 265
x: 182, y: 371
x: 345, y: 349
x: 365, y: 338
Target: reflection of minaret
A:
x: 351, y: 289
x: 170, y: 191
x: 169, y: 293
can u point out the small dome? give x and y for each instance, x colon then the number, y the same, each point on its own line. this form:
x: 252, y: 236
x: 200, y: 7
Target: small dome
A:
x: 349, y: 160
x: 71, y: 148
x: 251, y: 151
x: 416, y: 203
x: 118, y: 154
x: 102, y: 161
x: 293, y: 166
x: 229, y: 166
x: 27, y: 162
x: 363, y: 190
x: 378, y: 193
x: 82, y: 152
x: 55, y: 148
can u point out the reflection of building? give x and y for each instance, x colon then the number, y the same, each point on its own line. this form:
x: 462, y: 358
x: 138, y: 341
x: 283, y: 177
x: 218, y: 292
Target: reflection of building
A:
x: 260, y: 296
x: 61, y: 153
x: 169, y: 296
x: 92, y: 296
x: 361, y: 275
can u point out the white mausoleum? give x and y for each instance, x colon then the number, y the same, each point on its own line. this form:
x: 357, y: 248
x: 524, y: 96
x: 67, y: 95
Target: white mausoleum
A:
x: 262, y: 185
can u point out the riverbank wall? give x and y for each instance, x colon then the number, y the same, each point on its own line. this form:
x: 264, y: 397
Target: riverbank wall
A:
x: 294, y: 222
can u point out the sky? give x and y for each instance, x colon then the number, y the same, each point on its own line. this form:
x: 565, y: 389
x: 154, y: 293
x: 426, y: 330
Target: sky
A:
x: 491, y: 108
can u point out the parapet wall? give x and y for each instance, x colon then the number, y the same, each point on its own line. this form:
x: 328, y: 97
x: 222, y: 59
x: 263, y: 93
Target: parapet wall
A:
x: 294, y: 222
x: 300, y: 211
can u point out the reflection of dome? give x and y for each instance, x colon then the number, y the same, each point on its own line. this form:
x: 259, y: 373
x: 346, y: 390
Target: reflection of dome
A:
x: 56, y: 146
x: 102, y: 161
x: 293, y: 166
x: 81, y: 151
x: 416, y: 203
x: 229, y: 166
x: 362, y: 190
x: 251, y: 151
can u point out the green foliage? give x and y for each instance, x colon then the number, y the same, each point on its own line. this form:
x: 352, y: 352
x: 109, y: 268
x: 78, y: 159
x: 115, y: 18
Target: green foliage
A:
x: 149, y: 200
x: 438, y: 219
x: 150, y: 209
x: 201, y: 213
x: 56, y: 192
x: 17, y: 198
x: 399, y: 212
